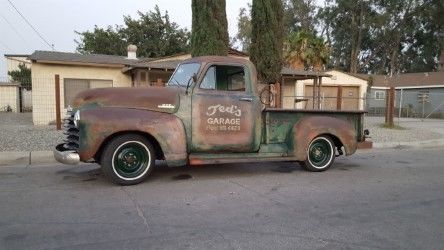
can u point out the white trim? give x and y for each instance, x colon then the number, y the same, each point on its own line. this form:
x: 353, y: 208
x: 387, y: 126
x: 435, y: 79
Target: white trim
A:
x: 332, y: 152
x: 144, y: 172
x: 421, y: 87
x: 412, y: 87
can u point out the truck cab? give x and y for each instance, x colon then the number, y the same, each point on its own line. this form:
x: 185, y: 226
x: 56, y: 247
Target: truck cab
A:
x: 209, y: 112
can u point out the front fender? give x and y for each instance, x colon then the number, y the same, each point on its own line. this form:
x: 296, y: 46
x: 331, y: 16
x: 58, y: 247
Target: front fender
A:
x: 310, y: 127
x: 96, y: 125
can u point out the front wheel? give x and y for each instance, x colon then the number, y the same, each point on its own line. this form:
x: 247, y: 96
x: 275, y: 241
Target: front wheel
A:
x: 128, y: 159
x: 320, y: 154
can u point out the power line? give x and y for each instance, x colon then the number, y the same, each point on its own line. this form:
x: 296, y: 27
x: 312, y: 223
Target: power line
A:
x: 35, y: 30
x: 14, y: 29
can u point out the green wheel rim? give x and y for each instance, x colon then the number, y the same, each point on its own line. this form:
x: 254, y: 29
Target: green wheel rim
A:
x: 320, y: 153
x: 131, y: 160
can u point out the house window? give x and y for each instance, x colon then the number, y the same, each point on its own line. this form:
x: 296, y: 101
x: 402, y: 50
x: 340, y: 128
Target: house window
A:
x: 142, y: 76
x: 379, y: 95
x: 72, y: 87
x: 222, y: 77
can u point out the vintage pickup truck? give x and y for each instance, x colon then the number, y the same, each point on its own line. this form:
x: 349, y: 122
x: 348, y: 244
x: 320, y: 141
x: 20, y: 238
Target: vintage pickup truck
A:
x: 209, y: 112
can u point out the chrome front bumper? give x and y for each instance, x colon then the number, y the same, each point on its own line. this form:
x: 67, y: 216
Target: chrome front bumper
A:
x: 64, y: 156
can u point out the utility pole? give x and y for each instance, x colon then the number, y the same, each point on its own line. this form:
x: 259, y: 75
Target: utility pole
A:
x: 423, y: 97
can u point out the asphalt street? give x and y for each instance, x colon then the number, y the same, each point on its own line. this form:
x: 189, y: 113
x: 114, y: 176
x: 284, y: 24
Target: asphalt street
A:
x: 375, y: 199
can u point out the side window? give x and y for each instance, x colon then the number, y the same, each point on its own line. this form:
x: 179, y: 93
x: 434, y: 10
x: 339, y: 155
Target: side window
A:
x: 379, y: 95
x: 209, y: 81
x: 223, y: 77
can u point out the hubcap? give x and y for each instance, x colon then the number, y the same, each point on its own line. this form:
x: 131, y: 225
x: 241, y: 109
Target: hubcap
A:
x: 320, y: 153
x: 131, y: 160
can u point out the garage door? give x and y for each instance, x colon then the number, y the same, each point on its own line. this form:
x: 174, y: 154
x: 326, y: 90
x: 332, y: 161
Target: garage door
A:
x: 350, y: 98
x: 72, y: 87
x: 329, y: 94
x: 328, y: 97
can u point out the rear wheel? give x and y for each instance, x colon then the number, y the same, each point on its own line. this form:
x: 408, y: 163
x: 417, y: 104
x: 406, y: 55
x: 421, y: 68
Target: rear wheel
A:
x: 128, y: 159
x: 320, y: 154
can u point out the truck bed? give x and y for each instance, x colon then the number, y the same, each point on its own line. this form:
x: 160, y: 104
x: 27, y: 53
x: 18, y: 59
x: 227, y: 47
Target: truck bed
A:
x: 279, y: 122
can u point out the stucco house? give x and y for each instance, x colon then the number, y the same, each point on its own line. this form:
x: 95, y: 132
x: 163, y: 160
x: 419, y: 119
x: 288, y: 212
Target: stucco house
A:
x: 415, y: 93
x: 79, y: 72
x: 339, y: 91
x: 14, y: 60
x: 9, y: 97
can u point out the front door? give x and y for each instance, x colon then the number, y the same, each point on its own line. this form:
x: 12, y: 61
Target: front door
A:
x: 225, y: 112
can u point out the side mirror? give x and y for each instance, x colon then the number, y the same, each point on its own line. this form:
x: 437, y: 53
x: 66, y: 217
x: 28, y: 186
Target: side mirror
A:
x: 194, y: 78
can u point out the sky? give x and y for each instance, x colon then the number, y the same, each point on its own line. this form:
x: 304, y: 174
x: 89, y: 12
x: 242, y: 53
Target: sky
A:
x: 56, y: 21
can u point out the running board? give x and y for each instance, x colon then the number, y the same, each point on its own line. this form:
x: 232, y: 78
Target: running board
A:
x: 202, y: 159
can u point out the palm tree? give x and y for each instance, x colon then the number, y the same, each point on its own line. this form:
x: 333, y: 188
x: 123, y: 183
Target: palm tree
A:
x: 304, y: 50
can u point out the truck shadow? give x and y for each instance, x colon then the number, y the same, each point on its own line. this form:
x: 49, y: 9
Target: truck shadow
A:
x: 91, y: 173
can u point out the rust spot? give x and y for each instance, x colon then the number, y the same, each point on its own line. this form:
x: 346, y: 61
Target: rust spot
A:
x: 310, y: 127
x: 154, y: 98
x: 99, y: 124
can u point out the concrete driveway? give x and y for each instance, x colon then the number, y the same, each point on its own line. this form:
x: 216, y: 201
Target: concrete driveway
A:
x: 375, y: 199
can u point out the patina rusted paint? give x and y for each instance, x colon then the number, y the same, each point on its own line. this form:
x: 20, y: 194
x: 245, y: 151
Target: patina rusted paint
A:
x: 98, y: 124
x: 159, y: 99
x: 220, y: 120
x: 180, y: 122
x: 312, y: 126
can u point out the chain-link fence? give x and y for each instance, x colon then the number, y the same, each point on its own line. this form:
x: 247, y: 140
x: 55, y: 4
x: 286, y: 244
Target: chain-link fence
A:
x: 325, y: 102
x: 414, y: 103
x: 38, y: 95
x: 420, y: 103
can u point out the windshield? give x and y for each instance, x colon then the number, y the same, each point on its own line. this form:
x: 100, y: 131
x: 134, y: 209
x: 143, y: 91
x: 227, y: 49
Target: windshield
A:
x: 183, y: 74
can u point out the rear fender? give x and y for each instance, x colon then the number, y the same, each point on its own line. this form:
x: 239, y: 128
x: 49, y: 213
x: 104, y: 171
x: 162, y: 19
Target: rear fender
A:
x: 309, y: 128
x: 97, y: 125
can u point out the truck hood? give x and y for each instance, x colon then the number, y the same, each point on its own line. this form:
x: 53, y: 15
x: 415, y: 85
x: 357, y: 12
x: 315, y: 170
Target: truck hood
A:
x: 162, y: 99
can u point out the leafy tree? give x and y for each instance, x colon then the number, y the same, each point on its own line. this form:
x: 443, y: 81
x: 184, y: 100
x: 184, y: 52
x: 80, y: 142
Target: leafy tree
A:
x: 243, y: 35
x: 209, y: 28
x: 384, y: 36
x: 22, y: 75
x: 267, y: 39
x: 427, y: 41
x: 347, y: 25
x: 152, y: 32
x: 415, y: 31
x: 299, y: 15
x: 306, y: 51
x: 109, y: 41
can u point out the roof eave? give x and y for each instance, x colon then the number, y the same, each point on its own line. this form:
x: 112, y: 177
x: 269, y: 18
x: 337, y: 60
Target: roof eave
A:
x: 66, y: 63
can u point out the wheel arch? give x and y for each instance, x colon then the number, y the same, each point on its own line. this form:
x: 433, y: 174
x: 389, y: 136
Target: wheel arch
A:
x: 339, y: 131
x: 165, y: 131
x: 154, y: 142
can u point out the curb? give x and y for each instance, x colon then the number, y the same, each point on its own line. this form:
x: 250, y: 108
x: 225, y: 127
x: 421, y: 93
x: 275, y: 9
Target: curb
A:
x: 26, y: 158
x: 415, y: 144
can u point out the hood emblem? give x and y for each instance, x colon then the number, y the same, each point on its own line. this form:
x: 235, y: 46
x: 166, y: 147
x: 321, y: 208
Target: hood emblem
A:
x: 166, y: 106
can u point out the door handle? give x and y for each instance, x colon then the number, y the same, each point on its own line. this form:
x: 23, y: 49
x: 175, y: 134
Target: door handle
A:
x: 246, y: 99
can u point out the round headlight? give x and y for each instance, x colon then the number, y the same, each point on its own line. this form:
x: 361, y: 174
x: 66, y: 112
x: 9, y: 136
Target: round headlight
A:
x: 77, y: 118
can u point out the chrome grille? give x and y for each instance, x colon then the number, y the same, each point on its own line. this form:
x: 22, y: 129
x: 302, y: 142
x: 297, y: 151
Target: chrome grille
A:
x: 71, y: 142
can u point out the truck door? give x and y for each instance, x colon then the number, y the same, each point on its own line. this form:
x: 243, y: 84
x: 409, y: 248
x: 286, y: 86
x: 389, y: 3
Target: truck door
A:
x: 225, y: 111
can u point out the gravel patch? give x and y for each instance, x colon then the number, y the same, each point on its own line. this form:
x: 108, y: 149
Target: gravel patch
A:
x: 411, y: 133
x: 18, y: 134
